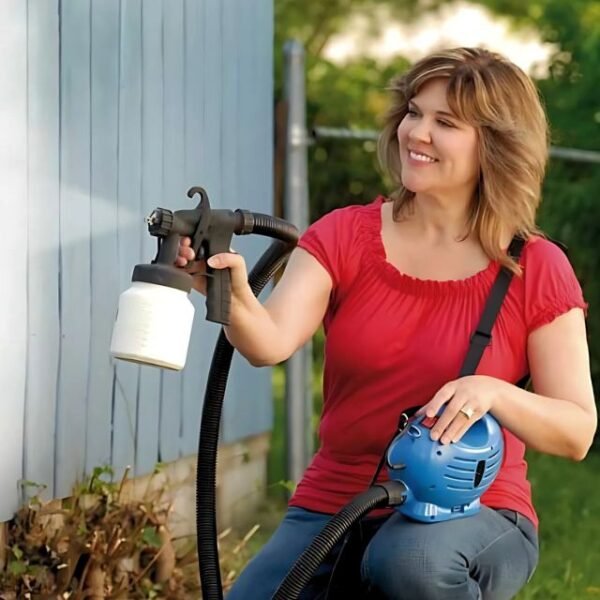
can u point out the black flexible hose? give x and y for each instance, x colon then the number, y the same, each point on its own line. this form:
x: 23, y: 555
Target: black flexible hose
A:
x: 206, y: 526
x: 390, y: 493
x: 266, y: 224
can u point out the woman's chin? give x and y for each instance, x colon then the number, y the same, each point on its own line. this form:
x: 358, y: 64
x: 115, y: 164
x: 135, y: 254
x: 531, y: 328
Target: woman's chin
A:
x: 414, y: 185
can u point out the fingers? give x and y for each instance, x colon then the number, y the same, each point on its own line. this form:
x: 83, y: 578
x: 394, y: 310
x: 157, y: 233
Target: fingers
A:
x: 445, y: 394
x: 186, y: 252
x: 234, y: 262
x: 186, y: 258
x: 451, y: 423
x: 195, y: 267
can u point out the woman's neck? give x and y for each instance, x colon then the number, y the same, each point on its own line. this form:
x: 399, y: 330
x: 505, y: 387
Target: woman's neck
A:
x: 437, y: 220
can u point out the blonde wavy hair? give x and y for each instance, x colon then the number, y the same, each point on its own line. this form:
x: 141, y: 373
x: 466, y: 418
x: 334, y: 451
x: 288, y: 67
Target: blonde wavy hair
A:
x: 496, y: 97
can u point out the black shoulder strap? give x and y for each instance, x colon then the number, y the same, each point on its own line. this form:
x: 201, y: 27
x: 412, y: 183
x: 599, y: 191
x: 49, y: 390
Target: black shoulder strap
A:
x: 482, y: 335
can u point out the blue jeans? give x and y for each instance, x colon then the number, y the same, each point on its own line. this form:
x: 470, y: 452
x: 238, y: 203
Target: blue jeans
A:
x: 488, y: 556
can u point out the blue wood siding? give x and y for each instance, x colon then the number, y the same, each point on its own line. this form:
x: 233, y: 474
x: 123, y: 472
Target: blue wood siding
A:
x: 43, y: 243
x: 109, y: 109
x: 75, y: 236
x: 13, y: 261
x: 105, y: 241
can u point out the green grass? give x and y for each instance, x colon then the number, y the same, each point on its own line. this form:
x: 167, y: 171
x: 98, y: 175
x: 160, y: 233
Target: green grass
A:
x: 569, y: 509
x: 565, y: 497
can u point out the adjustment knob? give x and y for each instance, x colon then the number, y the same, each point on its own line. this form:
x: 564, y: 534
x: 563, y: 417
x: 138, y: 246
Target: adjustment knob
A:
x: 160, y: 222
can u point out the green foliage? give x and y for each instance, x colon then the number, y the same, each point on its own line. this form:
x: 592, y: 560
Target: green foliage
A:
x: 349, y: 96
x: 343, y: 172
x: 571, y: 209
x: 569, y: 528
x: 571, y: 213
x: 314, y: 22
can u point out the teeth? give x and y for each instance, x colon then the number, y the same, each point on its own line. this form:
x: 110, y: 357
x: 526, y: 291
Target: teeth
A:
x: 421, y: 157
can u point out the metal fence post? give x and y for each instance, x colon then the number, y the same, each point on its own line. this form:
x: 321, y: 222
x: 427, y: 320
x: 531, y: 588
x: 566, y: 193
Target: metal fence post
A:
x: 298, y: 369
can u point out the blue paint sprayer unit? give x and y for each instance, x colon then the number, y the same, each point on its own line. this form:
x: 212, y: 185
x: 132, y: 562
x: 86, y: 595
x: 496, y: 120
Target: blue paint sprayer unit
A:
x: 444, y: 481
x: 429, y: 482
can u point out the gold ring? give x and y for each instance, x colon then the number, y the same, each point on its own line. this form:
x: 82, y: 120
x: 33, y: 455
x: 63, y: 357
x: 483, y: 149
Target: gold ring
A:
x: 467, y: 411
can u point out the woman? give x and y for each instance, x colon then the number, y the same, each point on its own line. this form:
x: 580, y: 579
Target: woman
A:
x: 400, y: 285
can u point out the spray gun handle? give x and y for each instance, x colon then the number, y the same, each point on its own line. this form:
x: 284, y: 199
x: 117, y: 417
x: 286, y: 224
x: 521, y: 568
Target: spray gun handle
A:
x: 212, y: 235
x: 218, y: 284
x: 218, y: 295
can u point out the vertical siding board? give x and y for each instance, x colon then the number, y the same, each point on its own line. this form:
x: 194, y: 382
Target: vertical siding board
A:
x: 262, y: 136
x: 230, y: 177
x: 247, y: 413
x: 148, y: 409
x: 43, y: 336
x: 208, y: 45
x: 264, y: 133
x: 174, y: 197
x: 75, y: 243
x: 104, y: 218
x: 13, y: 261
x: 194, y: 375
x: 230, y: 118
x: 213, y: 86
x: 205, y: 334
x: 129, y: 221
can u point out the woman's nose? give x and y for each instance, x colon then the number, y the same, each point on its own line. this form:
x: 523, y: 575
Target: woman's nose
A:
x: 420, y: 131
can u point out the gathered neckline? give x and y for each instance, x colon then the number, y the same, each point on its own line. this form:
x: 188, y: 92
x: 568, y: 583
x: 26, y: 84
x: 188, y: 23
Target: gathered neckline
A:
x: 370, y: 226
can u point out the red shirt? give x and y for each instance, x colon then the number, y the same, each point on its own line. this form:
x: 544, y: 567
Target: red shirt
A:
x: 393, y: 340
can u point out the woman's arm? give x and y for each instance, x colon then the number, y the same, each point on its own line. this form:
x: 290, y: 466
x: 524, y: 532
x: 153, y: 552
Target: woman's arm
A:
x: 559, y: 418
x: 270, y: 333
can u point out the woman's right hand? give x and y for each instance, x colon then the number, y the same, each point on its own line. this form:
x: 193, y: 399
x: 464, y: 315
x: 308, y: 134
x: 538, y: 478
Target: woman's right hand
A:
x: 186, y: 258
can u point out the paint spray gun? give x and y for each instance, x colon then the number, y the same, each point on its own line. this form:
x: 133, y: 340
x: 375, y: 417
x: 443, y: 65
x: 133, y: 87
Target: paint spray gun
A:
x: 155, y: 315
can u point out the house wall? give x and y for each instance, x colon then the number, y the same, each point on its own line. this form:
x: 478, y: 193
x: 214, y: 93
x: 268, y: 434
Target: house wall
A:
x: 108, y: 109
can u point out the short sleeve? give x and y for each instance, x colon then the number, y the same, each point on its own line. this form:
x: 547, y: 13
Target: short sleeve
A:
x: 328, y: 240
x: 551, y: 286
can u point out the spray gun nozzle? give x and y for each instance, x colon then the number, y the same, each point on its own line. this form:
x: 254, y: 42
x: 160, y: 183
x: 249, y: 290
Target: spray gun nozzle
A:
x: 160, y: 222
x: 152, y: 218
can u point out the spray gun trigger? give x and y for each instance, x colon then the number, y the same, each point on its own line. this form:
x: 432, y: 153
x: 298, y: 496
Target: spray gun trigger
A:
x: 199, y: 240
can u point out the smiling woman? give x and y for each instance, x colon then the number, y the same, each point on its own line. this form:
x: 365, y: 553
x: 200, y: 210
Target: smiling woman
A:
x: 483, y: 115
x: 438, y: 151
x: 400, y: 285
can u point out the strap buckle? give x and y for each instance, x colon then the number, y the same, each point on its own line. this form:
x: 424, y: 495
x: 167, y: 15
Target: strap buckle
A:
x: 480, y: 338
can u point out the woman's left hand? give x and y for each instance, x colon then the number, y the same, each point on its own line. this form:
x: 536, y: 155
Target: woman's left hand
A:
x: 466, y: 400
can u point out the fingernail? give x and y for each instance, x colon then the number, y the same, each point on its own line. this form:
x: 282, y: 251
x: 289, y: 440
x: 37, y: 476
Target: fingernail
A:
x: 213, y: 261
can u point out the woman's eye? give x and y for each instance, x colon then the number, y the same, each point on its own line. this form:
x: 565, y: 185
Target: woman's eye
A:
x: 412, y: 112
x: 445, y: 123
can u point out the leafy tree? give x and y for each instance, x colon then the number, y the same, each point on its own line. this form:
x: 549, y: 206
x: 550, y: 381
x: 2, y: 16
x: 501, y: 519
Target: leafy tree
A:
x: 314, y: 22
x: 344, y: 172
x: 571, y: 207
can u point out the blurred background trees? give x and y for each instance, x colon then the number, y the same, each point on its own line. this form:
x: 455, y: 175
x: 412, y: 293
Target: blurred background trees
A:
x: 351, y: 93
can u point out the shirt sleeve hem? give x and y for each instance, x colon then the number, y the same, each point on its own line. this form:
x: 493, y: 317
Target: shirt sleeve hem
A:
x: 547, y: 315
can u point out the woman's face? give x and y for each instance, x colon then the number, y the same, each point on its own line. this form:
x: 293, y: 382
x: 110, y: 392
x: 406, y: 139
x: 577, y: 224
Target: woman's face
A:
x: 438, y: 152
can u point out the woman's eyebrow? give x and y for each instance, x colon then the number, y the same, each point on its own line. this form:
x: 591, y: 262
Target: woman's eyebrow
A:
x: 439, y: 112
